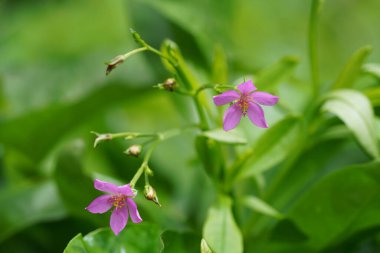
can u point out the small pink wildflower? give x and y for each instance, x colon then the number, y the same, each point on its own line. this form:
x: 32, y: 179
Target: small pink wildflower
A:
x: 120, y: 197
x: 245, y: 101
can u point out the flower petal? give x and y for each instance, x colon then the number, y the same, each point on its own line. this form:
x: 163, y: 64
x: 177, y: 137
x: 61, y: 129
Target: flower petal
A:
x: 119, y: 219
x: 100, y: 205
x: 256, y: 115
x: 226, y: 97
x: 105, y: 186
x: 264, y: 98
x: 133, y: 212
x: 232, y: 117
x: 247, y: 87
x: 126, y: 190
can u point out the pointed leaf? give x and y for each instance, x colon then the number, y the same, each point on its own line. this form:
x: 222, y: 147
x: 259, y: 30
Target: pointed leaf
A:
x: 373, y: 95
x: 354, y: 109
x: 271, y: 148
x: 260, y: 206
x: 352, y: 69
x: 372, y: 69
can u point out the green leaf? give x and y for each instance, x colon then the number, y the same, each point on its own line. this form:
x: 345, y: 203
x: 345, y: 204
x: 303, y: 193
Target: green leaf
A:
x: 27, y: 205
x: 343, y: 203
x: 28, y: 133
x: 219, y: 135
x: 204, y: 247
x: 220, y: 230
x: 272, y: 75
x: 270, y: 149
x: 354, y: 109
x: 373, y: 94
x: 76, y: 245
x: 260, y: 206
x: 372, y: 69
x: 352, y: 69
x: 140, y: 238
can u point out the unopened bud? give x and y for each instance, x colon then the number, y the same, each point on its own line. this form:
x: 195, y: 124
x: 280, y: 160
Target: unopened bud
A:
x: 170, y: 84
x: 150, y: 194
x: 114, y: 63
x: 134, y: 150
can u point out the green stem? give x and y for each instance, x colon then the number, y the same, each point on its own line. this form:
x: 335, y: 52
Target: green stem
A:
x: 160, y: 137
x: 144, y: 166
x: 131, y: 135
x: 134, y: 51
x: 313, y: 44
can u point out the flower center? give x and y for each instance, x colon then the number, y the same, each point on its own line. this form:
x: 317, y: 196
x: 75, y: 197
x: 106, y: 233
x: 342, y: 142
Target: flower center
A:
x: 243, y: 103
x: 118, y: 200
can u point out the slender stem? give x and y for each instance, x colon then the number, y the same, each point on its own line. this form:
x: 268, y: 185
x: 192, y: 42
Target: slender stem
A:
x: 313, y: 44
x: 134, y: 51
x: 160, y: 137
x: 153, y: 50
x: 144, y: 165
x: 131, y: 135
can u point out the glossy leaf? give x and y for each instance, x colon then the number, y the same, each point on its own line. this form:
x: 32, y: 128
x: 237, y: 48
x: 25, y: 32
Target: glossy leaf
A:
x: 219, y: 135
x: 140, y: 238
x: 220, y: 230
x: 354, y: 109
x: 352, y: 69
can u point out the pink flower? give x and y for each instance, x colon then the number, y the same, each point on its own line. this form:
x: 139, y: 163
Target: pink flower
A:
x: 120, y: 197
x: 245, y: 101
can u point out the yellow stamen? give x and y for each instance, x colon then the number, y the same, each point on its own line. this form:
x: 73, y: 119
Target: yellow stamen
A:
x: 118, y: 200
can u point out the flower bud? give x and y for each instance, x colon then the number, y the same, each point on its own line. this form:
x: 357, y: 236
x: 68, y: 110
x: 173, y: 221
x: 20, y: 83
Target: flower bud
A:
x: 150, y: 194
x: 170, y: 84
x: 134, y: 150
x: 114, y: 63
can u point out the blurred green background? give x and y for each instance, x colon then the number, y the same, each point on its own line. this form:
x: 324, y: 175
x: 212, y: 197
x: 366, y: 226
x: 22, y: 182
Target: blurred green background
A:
x: 53, y: 92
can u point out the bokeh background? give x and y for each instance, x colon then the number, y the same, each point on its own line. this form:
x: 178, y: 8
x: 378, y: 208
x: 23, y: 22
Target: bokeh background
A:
x: 53, y: 92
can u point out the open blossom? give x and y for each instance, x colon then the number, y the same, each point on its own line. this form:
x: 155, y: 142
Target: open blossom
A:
x: 245, y: 101
x: 119, y: 197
